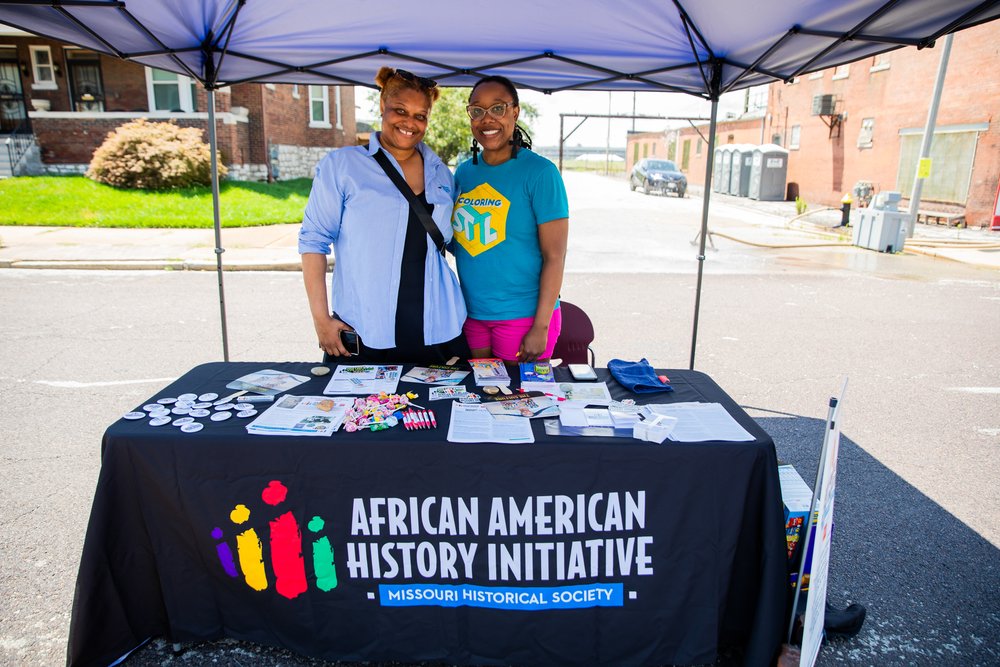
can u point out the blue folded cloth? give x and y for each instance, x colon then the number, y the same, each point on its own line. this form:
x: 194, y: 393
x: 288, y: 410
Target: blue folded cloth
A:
x: 637, y: 376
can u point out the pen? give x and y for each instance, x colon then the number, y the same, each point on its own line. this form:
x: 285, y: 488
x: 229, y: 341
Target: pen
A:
x: 423, y: 416
x: 434, y: 422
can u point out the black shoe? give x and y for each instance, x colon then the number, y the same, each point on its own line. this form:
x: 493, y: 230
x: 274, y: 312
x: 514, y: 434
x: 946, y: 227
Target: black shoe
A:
x: 844, y: 622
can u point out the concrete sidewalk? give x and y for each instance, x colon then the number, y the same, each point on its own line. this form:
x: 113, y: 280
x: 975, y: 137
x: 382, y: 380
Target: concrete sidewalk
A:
x: 274, y: 248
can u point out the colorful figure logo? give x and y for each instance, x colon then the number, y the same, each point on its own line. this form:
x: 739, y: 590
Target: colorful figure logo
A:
x: 480, y: 219
x: 285, y: 541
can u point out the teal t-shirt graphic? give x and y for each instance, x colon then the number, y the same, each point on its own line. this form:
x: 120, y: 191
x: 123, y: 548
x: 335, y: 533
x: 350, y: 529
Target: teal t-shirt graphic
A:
x: 497, y: 212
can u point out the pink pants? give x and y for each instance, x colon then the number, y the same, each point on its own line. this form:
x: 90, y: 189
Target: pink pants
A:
x: 504, y: 336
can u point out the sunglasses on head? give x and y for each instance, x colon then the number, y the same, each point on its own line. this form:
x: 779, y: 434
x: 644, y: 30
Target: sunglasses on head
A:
x: 498, y: 110
x: 413, y: 78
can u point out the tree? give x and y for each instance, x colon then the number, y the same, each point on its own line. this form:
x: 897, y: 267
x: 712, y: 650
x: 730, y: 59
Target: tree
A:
x: 448, y: 132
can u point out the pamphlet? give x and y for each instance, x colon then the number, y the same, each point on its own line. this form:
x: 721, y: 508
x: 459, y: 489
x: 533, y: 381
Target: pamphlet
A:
x: 301, y: 415
x: 268, y: 382
x: 474, y: 423
x: 537, y: 371
x: 454, y: 393
x: 489, y: 372
x: 446, y: 375
x: 364, y: 380
x: 588, y: 393
x: 531, y: 405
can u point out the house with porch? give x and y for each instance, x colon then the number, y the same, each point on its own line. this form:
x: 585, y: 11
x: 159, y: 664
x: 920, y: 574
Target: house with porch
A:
x: 58, y: 103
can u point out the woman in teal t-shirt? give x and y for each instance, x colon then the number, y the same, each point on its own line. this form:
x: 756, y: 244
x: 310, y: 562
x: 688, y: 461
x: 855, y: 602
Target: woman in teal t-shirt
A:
x: 511, y: 223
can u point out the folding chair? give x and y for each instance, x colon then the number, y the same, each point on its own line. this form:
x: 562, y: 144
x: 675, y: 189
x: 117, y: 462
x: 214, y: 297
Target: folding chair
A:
x: 573, y: 346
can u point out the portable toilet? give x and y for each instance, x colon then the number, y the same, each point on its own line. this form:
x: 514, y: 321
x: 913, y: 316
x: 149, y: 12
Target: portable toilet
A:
x: 726, y: 168
x: 739, y: 178
x: 717, y: 170
x: 768, y: 171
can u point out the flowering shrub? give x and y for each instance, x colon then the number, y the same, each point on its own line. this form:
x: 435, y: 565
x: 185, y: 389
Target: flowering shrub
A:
x: 152, y: 156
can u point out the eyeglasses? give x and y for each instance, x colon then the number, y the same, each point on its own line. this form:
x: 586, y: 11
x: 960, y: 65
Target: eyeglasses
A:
x: 498, y: 110
x: 413, y: 78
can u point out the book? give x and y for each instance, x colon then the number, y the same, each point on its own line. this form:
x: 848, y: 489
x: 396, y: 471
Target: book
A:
x: 489, y: 372
x: 445, y: 375
x: 537, y: 371
x: 301, y: 415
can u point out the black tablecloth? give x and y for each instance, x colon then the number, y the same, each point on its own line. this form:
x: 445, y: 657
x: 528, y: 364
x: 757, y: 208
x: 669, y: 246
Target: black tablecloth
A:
x: 655, y: 554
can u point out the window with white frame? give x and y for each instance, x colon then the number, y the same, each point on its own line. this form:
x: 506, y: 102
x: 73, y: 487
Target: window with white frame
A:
x: 338, y: 110
x: 880, y: 63
x: 867, y: 131
x: 793, y: 140
x: 170, y: 92
x: 319, y: 106
x: 842, y: 71
x: 43, y: 71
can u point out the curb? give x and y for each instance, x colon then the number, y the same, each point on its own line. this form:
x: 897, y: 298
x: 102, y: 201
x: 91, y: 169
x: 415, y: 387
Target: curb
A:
x: 146, y: 265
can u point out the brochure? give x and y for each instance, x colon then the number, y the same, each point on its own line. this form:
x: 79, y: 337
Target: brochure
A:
x: 454, y: 393
x: 447, y: 375
x: 589, y: 393
x: 364, y: 380
x: 301, y: 415
x: 489, y: 372
x: 474, y: 423
x: 537, y: 371
x: 268, y: 382
x: 531, y: 405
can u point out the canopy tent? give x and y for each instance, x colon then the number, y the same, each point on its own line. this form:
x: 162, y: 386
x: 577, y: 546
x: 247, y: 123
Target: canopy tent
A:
x: 705, y: 49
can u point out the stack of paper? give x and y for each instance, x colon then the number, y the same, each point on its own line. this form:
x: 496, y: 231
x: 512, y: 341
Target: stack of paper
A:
x: 364, y: 380
x: 301, y: 415
x: 474, y: 423
x: 489, y: 372
x: 531, y: 405
x: 698, y: 422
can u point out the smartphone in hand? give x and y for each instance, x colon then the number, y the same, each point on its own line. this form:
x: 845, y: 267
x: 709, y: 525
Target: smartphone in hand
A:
x: 351, y: 341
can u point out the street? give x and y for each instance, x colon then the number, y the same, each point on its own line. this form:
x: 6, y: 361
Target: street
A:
x: 918, y: 503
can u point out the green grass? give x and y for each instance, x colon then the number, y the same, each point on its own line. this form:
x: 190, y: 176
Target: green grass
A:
x: 75, y: 201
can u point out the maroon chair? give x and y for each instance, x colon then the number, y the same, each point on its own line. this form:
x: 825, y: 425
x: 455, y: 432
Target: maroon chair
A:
x: 577, y: 333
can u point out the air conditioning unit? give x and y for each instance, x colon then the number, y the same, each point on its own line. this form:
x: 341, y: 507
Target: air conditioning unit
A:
x: 823, y: 105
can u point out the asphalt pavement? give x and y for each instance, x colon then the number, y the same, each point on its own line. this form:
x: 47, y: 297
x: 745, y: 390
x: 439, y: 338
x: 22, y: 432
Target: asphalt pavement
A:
x: 274, y: 247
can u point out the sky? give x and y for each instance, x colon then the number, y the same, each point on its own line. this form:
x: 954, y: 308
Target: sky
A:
x: 594, y: 132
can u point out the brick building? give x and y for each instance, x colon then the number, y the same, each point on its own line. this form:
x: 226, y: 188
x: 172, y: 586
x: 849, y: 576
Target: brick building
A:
x: 692, y: 142
x: 58, y: 103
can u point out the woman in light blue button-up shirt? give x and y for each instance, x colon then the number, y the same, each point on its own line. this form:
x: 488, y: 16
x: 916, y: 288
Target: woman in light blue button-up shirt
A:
x: 383, y: 253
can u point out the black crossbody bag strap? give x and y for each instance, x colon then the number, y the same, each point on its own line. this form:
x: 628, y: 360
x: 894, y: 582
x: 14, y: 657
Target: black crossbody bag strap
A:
x: 397, y: 179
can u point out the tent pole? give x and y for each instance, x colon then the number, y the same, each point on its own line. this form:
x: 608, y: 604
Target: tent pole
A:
x: 707, y: 196
x: 215, y: 213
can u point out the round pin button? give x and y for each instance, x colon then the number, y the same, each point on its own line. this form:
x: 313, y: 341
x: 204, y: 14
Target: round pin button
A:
x: 225, y: 406
x: 201, y: 405
x: 221, y: 416
x: 210, y: 396
x: 193, y: 427
x: 187, y: 397
x: 180, y: 421
x: 491, y: 390
x: 134, y: 415
x: 319, y: 370
x: 166, y: 401
x: 152, y: 407
x: 159, y: 421
x: 200, y: 412
x: 246, y: 413
x: 244, y: 406
x: 181, y: 411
